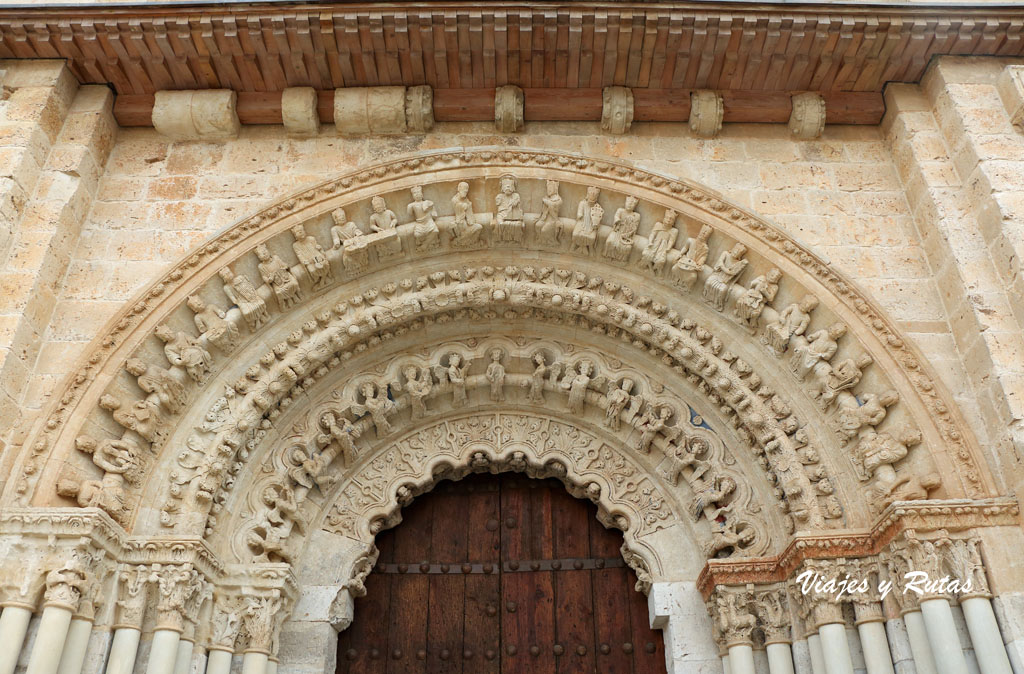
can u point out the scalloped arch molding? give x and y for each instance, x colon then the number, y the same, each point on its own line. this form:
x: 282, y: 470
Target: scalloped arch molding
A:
x: 737, y: 393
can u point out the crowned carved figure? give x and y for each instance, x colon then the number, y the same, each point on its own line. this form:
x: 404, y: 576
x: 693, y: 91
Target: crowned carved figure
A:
x: 275, y: 273
x: 465, y: 230
x: 729, y: 266
x: 549, y: 228
x: 589, y: 214
x: 142, y: 416
x: 791, y: 322
x: 349, y: 239
x: 619, y: 243
x: 692, y: 257
x: 425, y: 231
x: 213, y: 324
x: 455, y: 375
x: 243, y: 294
x: 660, y: 241
x: 496, y: 376
x: 312, y: 258
x: 508, y: 221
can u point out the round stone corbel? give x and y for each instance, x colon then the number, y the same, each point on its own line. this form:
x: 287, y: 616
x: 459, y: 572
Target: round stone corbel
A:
x: 807, y: 120
x: 196, y: 115
x: 616, y: 109
x: 508, y: 108
x: 707, y: 110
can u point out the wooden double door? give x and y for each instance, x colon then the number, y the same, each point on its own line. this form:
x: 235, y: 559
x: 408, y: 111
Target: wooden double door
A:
x: 500, y: 574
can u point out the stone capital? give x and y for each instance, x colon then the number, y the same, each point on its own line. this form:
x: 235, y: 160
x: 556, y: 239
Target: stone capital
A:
x: 180, y: 589
x: 132, y: 593
x: 732, y: 610
x: 772, y: 607
x: 65, y: 584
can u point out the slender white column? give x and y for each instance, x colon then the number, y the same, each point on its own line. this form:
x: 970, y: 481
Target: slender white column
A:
x: 780, y: 658
x: 73, y: 657
x: 163, y: 652
x: 13, y: 627
x: 725, y: 664
x: 272, y: 666
x: 924, y: 663
x: 741, y: 659
x: 123, y: 649
x: 985, y: 636
x: 942, y: 636
x: 218, y: 661
x: 49, y: 644
x: 817, y: 657
x: 254, y: 662
x: 835, y: 649
x: 875, y: 646
x: 183, y: 661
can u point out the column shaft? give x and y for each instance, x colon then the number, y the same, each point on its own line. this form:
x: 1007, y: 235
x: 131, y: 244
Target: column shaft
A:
x: 13, y: 627
x: 985, y: 636
x: 183, y: 661
x: 741, y: 659
x: 163, y: 652
x: 218, y: 662
x: 780, y: 658
x: 817, y: 657
x: 874, y: 643
x: 256, y: 663
x: 53, y: 632
x: 725, y: 664
x: 835, y: 649
x: 73, y: 657
x: 271, y: 666
x: 924, y: 663
x: 945, y: 642
x: 123, y: 649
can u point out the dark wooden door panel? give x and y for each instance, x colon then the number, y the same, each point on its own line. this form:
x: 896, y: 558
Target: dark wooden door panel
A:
x: 500, y: 575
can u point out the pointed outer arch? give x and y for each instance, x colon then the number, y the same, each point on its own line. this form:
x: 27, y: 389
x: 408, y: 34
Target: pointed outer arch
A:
x: 929, y: 404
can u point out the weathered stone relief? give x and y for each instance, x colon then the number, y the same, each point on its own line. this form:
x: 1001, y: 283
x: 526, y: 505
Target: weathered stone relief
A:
x: 602, y: 305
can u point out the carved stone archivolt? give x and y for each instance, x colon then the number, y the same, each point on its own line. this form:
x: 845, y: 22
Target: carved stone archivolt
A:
x: 800, y: 370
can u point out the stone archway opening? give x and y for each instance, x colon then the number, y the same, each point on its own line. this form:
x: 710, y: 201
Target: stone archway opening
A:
x: 501, y: 573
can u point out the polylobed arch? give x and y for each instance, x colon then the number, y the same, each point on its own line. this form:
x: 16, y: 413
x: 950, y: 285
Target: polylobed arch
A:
x: 384, y: 283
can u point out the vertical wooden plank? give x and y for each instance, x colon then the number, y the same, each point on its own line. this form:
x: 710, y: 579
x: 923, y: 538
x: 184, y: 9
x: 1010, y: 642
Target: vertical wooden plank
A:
x: 516, y: 588
x: 612, y: 594
x: 368, y: 631
x: 446, y: 595
x: 574, y: 626
x: 408, y: 612
x: 483, y: 591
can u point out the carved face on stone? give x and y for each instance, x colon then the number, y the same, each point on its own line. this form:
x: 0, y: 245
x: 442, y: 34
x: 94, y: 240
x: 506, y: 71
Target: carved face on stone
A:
x: 226, y: 275
x: 195, y: 304
x: 586, y: 368
x: 739, y: 250
x: 455, y: 360
x: 299, y: 232
x: 368, y: 389
x: 378, y: 204
x: 163, y: 333
x: 135, y: 367
x: 705, y: 233
x: 463, y: 189
x: 627, y: 385
x: 836, y: 330
x: 631, y: 203
x: 417, y: 193
x: 665, y: 412
x: 670, y: 217
x: 262, y: 253
x: 774, y: 275
x: 508, y: 185
x: 592, y: 194
x: 539, y: 359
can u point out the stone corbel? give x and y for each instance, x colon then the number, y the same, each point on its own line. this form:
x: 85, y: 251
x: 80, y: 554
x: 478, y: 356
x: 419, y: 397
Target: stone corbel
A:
x: 616, y: 109
x: 196, y: 115
x: 807, y: 121
x: 360, y: 110
x: 707, y: 109
x: 508, y: 109
x: 299, y: 111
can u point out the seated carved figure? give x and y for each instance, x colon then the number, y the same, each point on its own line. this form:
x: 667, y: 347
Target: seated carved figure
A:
x: 692, y: 257
x: 589, y: 214
x: 508, y: 221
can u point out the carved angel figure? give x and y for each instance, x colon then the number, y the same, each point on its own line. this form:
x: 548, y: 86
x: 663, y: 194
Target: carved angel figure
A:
x: 311, y: 256
x: 762, y: 291
x: 817, y: 347
x: 378, y: 405
x: 653, y: 421
x: 577, y: 381
x: 343, y: 433
x: 692, y: 257
x: 790, y: 323
x: 535, y: 394
x: 419, y: 383
x: 268, y: 539
x: 618, y: 397
x: 456, y: 375
x: 275, y: 273
x: 465, y: 231
x: 589, y: 214
x: 548, y: 226
x: 509, y: 218
x: 619, y: 243
x: 242, y: 293
x: 213, y: 324
x: 158, y: 381
x: 496, y: 376
x: 186, y: 352
x: 729, y: 266
x: 660, y: 241
x: 425, y: 231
